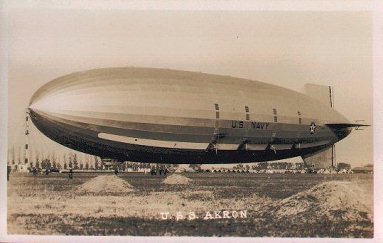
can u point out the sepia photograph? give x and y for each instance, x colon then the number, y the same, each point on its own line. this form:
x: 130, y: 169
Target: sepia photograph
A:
x: 174, y: 120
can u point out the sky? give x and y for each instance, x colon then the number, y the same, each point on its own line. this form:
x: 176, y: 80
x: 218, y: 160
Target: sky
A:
x: 286, y: 48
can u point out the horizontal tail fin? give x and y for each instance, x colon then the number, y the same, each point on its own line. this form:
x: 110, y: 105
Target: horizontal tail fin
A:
x: 338, y: 126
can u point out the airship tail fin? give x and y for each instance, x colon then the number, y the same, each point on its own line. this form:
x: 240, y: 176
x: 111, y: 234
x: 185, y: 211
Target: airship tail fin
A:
x: 322, y: 159
x: 322, y: 93
x: 338, y: 126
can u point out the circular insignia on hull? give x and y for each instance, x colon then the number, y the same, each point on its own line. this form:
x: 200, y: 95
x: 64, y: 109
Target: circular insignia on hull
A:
x: 312, y: 127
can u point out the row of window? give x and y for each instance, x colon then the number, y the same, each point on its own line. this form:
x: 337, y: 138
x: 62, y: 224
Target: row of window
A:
x: 247, y: 110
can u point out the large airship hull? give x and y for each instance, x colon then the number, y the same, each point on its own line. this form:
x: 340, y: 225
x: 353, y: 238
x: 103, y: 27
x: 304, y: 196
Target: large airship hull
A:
x: 167, y: 116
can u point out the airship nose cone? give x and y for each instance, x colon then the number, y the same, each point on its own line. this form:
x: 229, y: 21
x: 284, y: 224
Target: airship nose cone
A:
x: 42, y: 110
x: 34, y: 115
x: 80, y: 100
x: 33, y: 111
x: 50, y: 102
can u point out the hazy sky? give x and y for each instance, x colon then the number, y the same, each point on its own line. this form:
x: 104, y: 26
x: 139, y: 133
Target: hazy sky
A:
x: 287, y: 48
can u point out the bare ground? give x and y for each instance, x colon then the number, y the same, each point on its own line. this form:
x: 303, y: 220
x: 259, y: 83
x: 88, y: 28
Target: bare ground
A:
x: 277, y: 205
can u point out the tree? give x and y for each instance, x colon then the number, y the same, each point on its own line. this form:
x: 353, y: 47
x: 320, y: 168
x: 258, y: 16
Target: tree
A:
x: 345, y: 166
x: 48, y: 164
x: 95, y: 162
x: 37, y: 164
x: 123, y: 166
x: 43, y: 164
x: 13, y: 155
x: 196, y: 167
x: 75, y: 162
x: 64, y: 159
x: 70, y: 165
x: 263, y: 165
x: 52, y: 158
x: 238, y: 167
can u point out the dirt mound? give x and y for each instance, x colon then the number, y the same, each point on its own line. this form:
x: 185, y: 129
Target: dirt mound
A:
x: 105, y: 184
x: 335, y: 200
x: 175, y: 179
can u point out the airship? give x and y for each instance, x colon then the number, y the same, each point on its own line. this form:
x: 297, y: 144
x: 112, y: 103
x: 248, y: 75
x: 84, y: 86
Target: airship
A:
x: 168, y: 116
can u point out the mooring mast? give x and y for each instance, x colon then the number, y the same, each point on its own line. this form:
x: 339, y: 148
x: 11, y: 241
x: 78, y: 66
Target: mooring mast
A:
x: 26, y: 153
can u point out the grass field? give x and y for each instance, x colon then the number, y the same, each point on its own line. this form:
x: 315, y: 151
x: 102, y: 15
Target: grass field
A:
x: 278, y: 205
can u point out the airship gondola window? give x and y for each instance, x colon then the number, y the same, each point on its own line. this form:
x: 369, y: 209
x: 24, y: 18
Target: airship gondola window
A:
x: 216, y: 111
x: 247, y: 113
x: 300, y: 119
x: 275, y: 115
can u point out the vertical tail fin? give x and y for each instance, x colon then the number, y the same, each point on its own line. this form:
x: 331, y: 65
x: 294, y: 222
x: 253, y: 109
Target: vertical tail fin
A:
x: 321, y: 93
